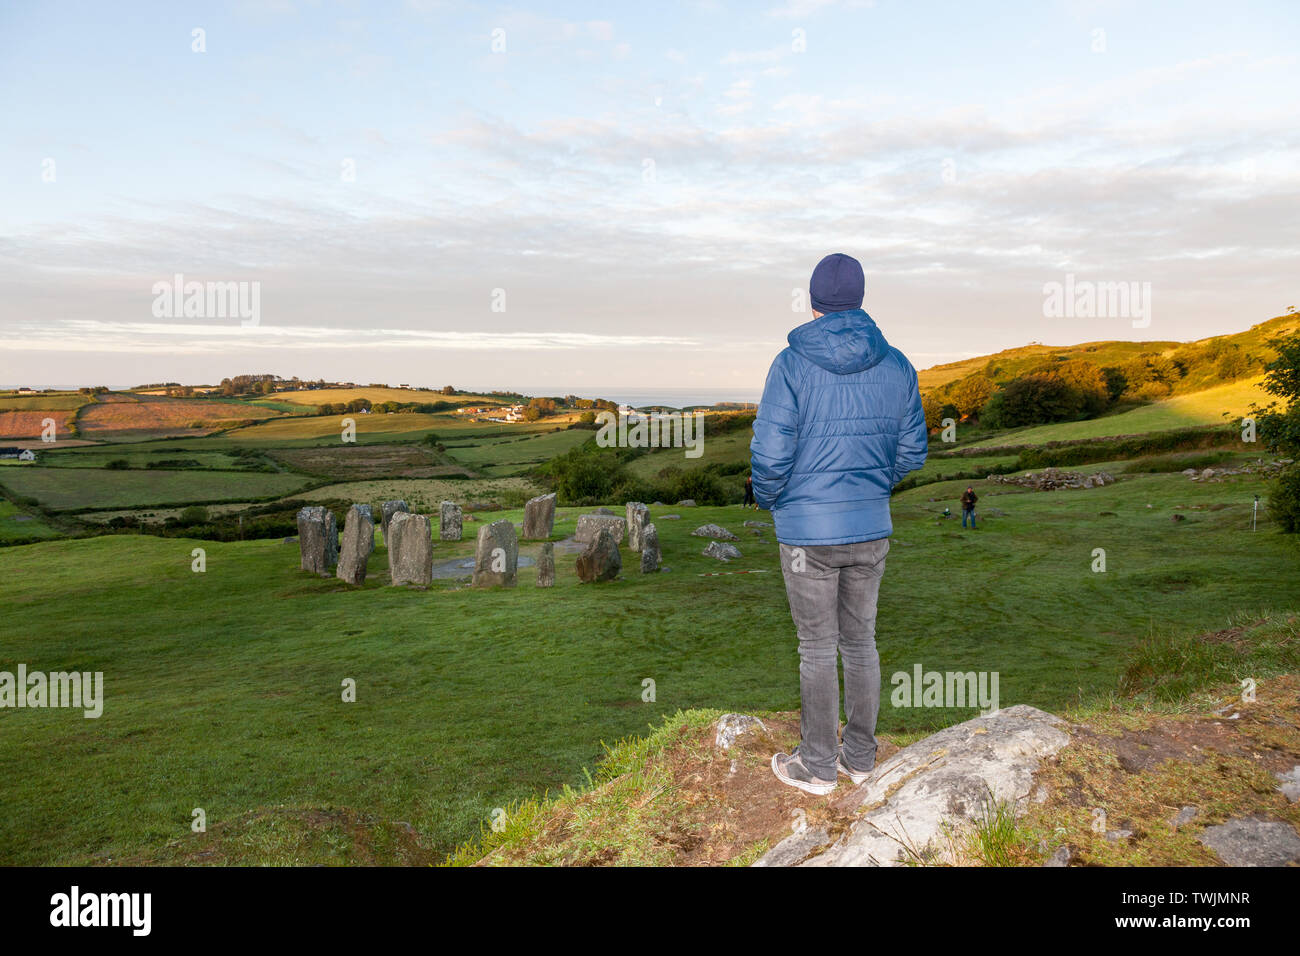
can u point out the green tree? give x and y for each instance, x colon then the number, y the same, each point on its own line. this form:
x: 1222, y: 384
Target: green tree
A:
x: 971, y: 394
x: 1279, y: 429
x: 932, y: 405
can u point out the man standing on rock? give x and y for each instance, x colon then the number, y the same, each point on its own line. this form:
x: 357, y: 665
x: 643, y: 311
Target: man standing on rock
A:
x: 839, y: 425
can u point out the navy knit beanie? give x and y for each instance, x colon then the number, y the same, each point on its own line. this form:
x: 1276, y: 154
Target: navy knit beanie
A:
x: 837, y: 284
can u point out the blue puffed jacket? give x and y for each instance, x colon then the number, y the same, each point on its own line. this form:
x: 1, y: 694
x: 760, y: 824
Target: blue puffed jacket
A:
x: 839, y: 425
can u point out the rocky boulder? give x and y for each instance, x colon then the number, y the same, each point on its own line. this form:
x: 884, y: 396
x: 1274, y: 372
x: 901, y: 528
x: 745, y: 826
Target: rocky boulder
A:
x: 600, y: 560
x: 716, y: 532
x: 721, y: 551
x: 590, y: 525
x: 1247, y: 841
x: 915, y: 798
x: 1050, y: 479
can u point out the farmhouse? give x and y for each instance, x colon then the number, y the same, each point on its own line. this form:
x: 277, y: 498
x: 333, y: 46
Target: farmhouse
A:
x: 13, y: 451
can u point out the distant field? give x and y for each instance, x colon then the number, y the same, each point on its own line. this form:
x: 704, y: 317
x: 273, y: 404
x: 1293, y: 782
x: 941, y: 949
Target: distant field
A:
x: 728, y: 448
x: 14, y: 524
x: 322, y: 396
x: 152, y: 417
x: 137, y: 455
x: 60, y: 401
x: 376, y: 427
x: 512, y: 453
x: 28, y: 424
x: 425, y: 495
x: 1181, y: 411
x: 62, y: 489
x: 370, y: 428
x: 358, y: 462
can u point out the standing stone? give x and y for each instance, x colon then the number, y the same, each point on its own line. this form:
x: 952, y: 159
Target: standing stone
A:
x: 496, y: 558
x: 358, y: 542
x: 317, y: 539
x: 590, y: 525
x: 539, y: 517
x: 637, y: 516
x: 449, y: 522
x: 410, y: 549
x: 600, y: 560
x: 365, y: 510
x: 390, y: 508
x: 649, y: 549
x: 546, y: 566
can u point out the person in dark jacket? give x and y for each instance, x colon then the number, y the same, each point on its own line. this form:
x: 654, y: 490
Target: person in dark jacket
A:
x: 749, y: 491
x: 840, y: 424
x: 968, y: 499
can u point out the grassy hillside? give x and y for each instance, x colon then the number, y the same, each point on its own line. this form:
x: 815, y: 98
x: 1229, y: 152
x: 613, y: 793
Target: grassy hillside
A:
x: 1012, y: 362
x: 223, y: 688
x: 1207, y: 407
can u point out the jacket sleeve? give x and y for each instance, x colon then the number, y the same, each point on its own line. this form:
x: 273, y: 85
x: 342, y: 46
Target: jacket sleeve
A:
x: 913, y: 436
x: 776, y: 434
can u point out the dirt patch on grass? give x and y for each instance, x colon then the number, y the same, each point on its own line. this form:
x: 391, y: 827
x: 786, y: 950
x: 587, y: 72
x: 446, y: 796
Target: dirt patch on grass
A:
x: 714, y: 808
x: 1116, y: 792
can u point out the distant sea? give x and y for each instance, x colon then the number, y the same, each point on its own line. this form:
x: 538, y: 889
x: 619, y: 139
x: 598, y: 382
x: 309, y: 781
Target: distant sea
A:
x: 640, y: 397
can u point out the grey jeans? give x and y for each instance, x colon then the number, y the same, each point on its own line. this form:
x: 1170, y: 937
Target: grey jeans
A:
x: 833, y: 590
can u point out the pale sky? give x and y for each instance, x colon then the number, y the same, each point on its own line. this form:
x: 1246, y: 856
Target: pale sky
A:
x: 648, y: 184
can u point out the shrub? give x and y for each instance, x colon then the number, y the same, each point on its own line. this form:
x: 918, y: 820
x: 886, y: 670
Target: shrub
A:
x: 117, y: 464
x: 194, y: 514
x: 1284, y: 501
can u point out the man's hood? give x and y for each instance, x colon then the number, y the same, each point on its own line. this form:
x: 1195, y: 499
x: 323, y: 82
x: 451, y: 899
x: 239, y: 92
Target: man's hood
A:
x: 841, y: 342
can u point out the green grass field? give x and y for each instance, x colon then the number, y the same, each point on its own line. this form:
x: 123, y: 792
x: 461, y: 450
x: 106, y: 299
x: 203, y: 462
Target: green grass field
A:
x: 514, y: 453
x: 138, y: 455
x: 17, y: 525
x: 728, y: 448
x: 377, y: 427
x: 320, y: 396
x: 1181, y: 411
x: 63, y: 489
x: 223, y: 688
x: 59, y: 401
